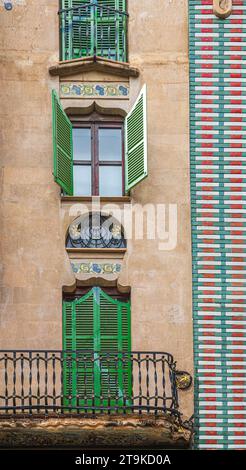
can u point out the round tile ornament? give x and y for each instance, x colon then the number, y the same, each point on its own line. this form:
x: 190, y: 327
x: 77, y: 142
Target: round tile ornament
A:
x: 222, y: 8
x: 8, y: 6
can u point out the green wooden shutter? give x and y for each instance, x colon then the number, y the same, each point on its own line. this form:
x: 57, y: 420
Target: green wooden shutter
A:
x: 78, y: 335
x: 115, y: 337
x: 63, y: 146
x: 93, y: 30
x: 69, y: 384
x: 111, y: 30
x: 77, y: 30
x: 98, y: 323
x: 136, y: 142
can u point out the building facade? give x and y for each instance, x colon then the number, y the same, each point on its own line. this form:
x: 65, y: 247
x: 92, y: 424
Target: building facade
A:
x: 122, y: 161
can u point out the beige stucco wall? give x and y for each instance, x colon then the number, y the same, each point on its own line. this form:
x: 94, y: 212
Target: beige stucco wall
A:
x: 34, y: 264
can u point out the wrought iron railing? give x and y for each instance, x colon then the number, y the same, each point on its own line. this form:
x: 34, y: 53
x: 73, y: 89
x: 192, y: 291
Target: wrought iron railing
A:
x: 84, y: 382
x: 92, y: 30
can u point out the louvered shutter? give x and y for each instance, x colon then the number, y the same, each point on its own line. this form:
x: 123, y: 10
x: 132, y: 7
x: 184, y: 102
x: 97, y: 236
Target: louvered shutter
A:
x: 115, y: 375
x: 91, y: 30
x: 77, y: 30
x: 101, y: 325
x: 136, y: 168
x: 78, y: 336
x: 111, y: 30
x: 62, y: 146
x: 68, y: 371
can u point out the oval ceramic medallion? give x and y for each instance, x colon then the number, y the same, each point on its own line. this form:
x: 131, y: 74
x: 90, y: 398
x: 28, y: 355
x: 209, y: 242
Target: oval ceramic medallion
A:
x: 222, y: 8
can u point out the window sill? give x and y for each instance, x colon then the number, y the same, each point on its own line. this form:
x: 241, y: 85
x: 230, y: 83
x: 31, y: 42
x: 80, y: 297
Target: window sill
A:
x: 103, y: 251
x: 86, y: 64
x: 105, y: 200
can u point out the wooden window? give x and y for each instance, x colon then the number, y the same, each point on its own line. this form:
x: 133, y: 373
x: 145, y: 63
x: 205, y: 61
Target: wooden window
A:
x: 110, y: 155
x: 98, y: 156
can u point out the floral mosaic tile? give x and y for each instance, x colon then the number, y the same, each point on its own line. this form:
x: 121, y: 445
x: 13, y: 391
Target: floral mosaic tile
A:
x: 94, y: 90
x: 96, y: 268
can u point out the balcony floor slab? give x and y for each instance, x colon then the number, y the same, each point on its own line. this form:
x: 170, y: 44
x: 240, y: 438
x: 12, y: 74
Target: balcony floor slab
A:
x: 104, y: 432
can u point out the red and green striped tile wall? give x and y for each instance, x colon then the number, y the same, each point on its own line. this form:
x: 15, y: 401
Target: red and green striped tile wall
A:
x: 218, y: 197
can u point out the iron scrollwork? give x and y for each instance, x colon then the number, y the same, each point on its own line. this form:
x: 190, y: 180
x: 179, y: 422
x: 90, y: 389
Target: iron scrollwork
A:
x: 96, y: 231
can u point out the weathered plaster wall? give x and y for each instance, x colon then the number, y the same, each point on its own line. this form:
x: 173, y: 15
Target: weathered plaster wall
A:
x: 161, y: 297
x: 34, y: 265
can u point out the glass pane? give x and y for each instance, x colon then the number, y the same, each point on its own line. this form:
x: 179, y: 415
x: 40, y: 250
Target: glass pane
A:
x: 110, y: 181
x: 82, y: 180
x: 110, y: 144
x: 82, y: 144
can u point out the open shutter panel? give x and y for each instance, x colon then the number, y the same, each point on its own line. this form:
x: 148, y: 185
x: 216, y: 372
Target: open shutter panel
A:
x: 111, y: 30
x: 63, y: 146
x: 136, y: 142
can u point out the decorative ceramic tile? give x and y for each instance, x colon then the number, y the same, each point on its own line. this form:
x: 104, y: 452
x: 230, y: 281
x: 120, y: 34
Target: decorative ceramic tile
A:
x: 96, y: 268
x: 94, y: 90
x: 218, y: 155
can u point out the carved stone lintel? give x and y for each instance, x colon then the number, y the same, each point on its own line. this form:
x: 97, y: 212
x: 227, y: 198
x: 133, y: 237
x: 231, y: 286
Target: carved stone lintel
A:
x: 222, y: 8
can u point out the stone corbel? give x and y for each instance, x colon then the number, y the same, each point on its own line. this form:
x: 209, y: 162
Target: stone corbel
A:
x: 222, y: 8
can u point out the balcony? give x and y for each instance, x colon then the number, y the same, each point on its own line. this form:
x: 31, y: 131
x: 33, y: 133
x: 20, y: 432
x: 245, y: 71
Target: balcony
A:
x: 93, y: 30
x: 89, y: 400
x: 81, y: 382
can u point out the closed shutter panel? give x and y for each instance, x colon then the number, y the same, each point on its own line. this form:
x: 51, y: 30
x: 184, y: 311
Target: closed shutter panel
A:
x: 115, y: 338
x: 78, y: 336
x: 136, y: 142
x: 125, y: 312
x: 84, y: 333
x: 90, y: 30
x: 77, y: 30
x: 111, y: 30
x: 100, y: 324
x: 69, y: 385
x: 62, y: 146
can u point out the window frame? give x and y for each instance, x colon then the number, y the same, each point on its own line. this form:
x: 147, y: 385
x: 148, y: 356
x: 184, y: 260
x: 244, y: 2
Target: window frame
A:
x: 81, y: 291
x: 96, y: 122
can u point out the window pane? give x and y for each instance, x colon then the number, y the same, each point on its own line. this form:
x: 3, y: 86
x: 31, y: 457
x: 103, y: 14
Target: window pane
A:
x: 82, y: 144
x: 110, y: 144
x: 110, y: 181
x: 82, y: 180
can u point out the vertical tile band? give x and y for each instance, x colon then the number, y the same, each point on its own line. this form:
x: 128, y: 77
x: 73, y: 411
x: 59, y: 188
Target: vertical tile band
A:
x: 218, y: 193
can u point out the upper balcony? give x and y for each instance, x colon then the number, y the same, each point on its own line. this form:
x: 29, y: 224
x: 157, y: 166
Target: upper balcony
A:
x: 93, y: 28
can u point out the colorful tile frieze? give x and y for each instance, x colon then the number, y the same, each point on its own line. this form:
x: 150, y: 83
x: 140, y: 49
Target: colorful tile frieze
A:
x: 96, y: 268
x: 94, y: 90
